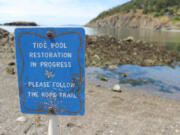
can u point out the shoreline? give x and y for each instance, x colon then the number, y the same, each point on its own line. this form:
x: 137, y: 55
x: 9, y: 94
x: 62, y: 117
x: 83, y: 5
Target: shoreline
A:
x: 144, y: 28
x: 102, y: 51
x: 171, y: 29
x: 106, y: 112
x: 91, y: 27
x: 105, y: 51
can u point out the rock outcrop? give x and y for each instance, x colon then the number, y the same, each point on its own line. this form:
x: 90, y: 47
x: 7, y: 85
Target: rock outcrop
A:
x: 6, y: 44
x: 21, y: 24
x: 127, y: 51
x: 105, y: 51
x: 134, y: 20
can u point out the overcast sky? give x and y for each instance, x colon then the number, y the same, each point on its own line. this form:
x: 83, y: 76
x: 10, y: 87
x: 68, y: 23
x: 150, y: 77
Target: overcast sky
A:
x: 54, y: 12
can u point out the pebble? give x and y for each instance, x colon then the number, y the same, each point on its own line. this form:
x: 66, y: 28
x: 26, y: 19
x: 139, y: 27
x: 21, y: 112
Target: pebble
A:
x: 96, y: 57
x: 124, y: 75
x: 21, y: 119
x: 148, y: 61
x: 177, y: 131
x: 98, y: 85
x: 117, y: 88
x: 110, y: 132
x: 103, y: 78
x: 70, y: 125
x: 11, y: 64
x: 116, y: 123
x: 10, y: 70
x: 112, y: 67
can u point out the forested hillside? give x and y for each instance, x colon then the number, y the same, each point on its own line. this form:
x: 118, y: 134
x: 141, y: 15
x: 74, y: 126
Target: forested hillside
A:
x: 169, y: 9
x: 154, y: 7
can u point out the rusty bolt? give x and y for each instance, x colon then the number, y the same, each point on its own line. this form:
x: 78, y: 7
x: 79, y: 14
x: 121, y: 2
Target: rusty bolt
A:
x: 49, y: 34
x: 51, y: 109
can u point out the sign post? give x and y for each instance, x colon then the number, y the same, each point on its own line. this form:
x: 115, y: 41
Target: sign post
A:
x: 53, y: 128
x: 51, y: 70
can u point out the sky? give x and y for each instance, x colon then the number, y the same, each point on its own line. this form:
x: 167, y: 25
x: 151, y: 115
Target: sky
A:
x: 54, y: 12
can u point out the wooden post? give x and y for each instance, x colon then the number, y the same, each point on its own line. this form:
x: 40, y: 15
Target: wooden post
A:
x: 53, y: 128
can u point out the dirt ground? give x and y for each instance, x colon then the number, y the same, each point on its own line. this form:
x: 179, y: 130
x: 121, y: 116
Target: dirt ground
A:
x: 107, y: 113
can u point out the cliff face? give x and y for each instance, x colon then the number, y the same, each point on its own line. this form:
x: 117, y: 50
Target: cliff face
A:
x: 134, y: 20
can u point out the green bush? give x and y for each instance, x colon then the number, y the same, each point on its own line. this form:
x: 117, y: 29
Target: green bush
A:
x: 177, y: 18
x: 145, y: 11
x: 157, y: 15
x: 178, y: 48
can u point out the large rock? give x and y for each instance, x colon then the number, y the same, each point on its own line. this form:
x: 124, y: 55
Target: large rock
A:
x: 3, y: 33
x: 129, y: 39
x: 21, y: 119
x: 148, y: 62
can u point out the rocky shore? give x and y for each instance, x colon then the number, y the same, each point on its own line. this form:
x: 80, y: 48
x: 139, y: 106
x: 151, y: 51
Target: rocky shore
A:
x: 105, y: 51
x: 7, y: 49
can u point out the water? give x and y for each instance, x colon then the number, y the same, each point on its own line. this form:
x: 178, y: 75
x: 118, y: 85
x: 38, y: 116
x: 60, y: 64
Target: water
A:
x: 170, y: 39
x: 161, y: 81
x: 89, y: 31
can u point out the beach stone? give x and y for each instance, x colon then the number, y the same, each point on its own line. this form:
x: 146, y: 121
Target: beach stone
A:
x: 98, y: 85
x: 116, y: 123
x: 70, y: 125
x: 11, y: 63
x: 4, y: 40
x: 10, y: 70
x: 177, y: 131
x: 21, y: 119
x: 148, y: 61
x: 94, y: 62
x: 96, y: 57
x: 112, y: 67
x: 129, y: 39
x: 93, y: 38
x: 134, y: 53
x: 117, y: 88
x: 124, y: 74
x: 103, y: 78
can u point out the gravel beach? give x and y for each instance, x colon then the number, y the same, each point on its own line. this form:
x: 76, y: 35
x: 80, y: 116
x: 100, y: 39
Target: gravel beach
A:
x: 107, y: 113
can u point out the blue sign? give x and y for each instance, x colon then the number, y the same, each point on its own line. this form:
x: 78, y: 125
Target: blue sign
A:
x: 50, y: 65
